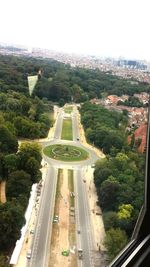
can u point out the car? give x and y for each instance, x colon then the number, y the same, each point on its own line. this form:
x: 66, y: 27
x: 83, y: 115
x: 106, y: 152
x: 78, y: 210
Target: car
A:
x: 80, y: 254
x: 56, y: 219
x: 29, y: 254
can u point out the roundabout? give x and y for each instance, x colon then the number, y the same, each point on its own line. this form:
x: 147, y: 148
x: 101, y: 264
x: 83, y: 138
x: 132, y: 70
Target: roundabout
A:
x: 66, y: 153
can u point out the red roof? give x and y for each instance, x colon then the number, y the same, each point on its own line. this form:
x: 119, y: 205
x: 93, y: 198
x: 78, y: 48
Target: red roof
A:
x: 113, y: 98
x: 140, y: 133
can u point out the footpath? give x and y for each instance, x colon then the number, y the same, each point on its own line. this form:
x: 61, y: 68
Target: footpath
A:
x: 2, y: 192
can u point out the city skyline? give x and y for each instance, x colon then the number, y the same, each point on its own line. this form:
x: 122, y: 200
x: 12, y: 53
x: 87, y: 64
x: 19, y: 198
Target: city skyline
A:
x: 102, y: 28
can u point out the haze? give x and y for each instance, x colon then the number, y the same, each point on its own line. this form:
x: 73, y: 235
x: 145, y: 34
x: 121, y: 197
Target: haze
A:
x: 97, y: 27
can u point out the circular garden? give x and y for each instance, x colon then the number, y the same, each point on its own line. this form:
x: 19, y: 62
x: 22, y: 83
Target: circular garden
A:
x: 66, y: 152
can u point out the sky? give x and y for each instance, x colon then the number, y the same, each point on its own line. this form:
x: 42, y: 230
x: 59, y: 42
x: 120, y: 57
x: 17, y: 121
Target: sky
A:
x: 106, y: 28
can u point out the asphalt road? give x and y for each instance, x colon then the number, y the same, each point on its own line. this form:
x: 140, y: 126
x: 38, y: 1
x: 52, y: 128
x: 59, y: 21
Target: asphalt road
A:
x: 41, y: 240
x: 83, y: 221
x: 58, y: 128
x: 75, y: 127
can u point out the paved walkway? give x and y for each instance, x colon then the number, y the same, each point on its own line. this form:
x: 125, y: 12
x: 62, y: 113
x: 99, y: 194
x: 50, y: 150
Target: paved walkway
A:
x: 96, y: 213
x: 2, y: 192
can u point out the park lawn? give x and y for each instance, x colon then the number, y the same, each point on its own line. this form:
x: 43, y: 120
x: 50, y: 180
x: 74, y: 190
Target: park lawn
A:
x: 66, y: 153
x: 68, y: 109
x: 66, y: 133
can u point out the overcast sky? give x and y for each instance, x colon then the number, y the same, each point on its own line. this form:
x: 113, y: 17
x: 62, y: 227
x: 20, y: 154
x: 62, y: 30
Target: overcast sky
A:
x: 98, y: 27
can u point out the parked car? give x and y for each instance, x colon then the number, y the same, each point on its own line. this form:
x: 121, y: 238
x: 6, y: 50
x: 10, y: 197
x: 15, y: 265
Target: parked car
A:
x: 29, y: 254
x: 80, y: 254
x: 56, y: 219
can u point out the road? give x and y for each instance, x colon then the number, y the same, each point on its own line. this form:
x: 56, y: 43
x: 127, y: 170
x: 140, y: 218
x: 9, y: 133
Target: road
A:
x: 58, y: 127
x: 75, y: 126
x: 85, y: 238
x: 41, y: 240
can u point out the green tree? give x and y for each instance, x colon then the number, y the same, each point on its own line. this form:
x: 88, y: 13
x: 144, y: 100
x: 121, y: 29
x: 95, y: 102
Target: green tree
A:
x: 11, y: 221
x: 32, y: 167
x: 125, y: 211
x: 25, y: 105
x: 126, y: 218
x: 115, y: 241
x: 19, y: 182
x: 28, y: 150
x: 32, y: 113
x: 61, y: 102
x: 4, y: 261
x: 108, y: 193
x: 11, y: 163
x: 110, y: 219
x: 45, y: 118
x: 76, y: 92
x: 2, y: 168
x: 100, y: 175
x: 8, y: 142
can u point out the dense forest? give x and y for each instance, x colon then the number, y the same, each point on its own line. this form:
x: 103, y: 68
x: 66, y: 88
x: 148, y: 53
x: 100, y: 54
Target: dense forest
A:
x: 60, y: 82
x: 20, y: 169
x: 119, y: 177
x: 132, y: 102
x: 23, y: 116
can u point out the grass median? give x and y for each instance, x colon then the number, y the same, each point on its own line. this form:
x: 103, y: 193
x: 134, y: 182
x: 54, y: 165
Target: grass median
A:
x: 67, y: 130
x: 68, y: 109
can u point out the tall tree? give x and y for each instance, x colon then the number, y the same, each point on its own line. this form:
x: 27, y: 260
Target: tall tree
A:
x: 11, y: 221
x: 115, y: 240
x: 19, y: 182
x: 8, y: 142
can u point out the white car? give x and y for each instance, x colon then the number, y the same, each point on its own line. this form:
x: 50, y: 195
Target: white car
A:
x: 29, y: 254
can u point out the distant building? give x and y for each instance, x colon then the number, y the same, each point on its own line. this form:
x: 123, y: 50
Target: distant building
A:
x: 113, y: 99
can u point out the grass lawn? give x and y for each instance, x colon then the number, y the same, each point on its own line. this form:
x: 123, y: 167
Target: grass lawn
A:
x: 66, y: 133
x: 68, y: 109
x: 66, y: 153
